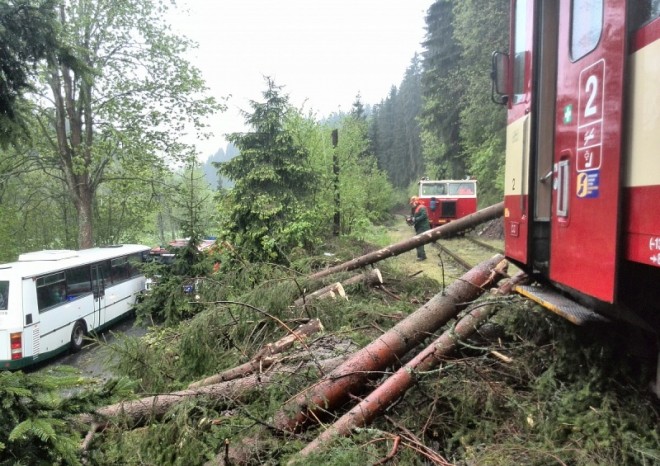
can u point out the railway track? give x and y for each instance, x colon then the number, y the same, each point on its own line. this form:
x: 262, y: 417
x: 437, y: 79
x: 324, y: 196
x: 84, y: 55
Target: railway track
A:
x: 459, y: 254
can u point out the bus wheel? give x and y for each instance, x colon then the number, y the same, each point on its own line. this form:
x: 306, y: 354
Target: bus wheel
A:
x: 77, y: 336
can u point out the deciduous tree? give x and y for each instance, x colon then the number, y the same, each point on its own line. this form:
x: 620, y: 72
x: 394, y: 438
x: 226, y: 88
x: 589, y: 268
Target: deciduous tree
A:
x: 130, y: 105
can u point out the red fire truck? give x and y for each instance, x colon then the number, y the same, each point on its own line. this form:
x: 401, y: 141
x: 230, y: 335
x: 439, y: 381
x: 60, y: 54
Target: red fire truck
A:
x: 582, y: 181
x: 447, y: 200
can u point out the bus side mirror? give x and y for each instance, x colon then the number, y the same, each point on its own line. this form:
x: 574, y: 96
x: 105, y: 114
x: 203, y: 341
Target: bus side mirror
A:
x: 499, y: 76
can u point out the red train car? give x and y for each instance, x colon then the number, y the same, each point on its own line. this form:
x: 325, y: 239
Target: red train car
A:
x: 582, y: 182
x: 447, y: 200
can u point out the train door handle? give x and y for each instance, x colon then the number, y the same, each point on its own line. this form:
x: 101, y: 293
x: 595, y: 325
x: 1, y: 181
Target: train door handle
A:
x: 563, y: 177
x: 546, y: 177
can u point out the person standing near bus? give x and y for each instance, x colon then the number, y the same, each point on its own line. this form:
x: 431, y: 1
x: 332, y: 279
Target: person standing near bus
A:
x: 420, y: 220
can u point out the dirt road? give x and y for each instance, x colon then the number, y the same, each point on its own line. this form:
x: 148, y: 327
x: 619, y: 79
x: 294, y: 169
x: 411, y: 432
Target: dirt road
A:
x: 91, y: 360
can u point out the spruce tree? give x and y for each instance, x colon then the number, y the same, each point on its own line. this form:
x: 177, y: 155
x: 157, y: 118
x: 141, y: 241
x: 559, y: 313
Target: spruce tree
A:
x: 442, y: 88
x: 272, y: 175
x: 28, y: 33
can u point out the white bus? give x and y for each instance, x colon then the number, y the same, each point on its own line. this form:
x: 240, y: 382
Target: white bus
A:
x: 49, y: 300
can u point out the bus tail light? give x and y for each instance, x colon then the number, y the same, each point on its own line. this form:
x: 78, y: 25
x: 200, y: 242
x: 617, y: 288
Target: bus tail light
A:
x: 16, y: 344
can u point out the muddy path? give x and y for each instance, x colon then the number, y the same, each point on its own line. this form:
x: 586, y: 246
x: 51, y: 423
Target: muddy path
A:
x: 91, y: 361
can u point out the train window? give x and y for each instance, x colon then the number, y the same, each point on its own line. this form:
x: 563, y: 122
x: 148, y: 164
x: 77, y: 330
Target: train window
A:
x: 520, y: 52
x: 641, y: 12
x: 466, y: 188
x: 461, y: 189
x: 586, y: 26
x: 435, y: 189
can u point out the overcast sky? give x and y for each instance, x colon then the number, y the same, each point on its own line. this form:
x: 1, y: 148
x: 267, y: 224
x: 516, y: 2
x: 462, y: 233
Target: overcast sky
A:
x: 323, y: 52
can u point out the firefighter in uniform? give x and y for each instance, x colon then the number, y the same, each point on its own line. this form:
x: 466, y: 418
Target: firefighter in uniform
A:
x: 420, y: 220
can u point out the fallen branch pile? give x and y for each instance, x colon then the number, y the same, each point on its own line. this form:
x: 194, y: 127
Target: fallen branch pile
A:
x: 396, y: 385
x: 266, y: 357
x: 350, y: 378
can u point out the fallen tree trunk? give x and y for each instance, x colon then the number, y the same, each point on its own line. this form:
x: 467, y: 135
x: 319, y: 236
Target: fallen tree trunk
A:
x: 264, y: 358
x: 395, y: 387
x: 336, y: 387
x: 448, y: 229
x: 136, y: 412
x: 372, y: 277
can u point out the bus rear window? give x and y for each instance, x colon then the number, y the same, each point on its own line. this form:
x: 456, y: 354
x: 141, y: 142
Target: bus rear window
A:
x: 4, y: 295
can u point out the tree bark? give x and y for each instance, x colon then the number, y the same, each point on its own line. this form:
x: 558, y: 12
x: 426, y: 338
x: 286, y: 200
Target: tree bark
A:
x: 434, y: 234
x: 396, y: 386
x: 74, y: 156
x: 83, y: 202
x: 351, y: 377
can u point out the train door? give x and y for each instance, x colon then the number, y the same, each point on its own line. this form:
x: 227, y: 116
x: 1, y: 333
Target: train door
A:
x: 587, y: 157
x: 98, y: 289
x: 543, y: 130
x: 530, y: 132
x: 519, y: 119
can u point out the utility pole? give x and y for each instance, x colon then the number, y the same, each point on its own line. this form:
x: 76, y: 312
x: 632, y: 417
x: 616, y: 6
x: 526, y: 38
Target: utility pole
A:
x: 336, y: 229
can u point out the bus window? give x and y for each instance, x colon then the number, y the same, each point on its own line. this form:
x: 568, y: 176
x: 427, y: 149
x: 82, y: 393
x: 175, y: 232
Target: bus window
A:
x: 119, y: 269
x: 4, y: 295
x: 78, y: 282
x: 134, y: 261
x: 586, y: 26
x: 123, y: 268
x: 105, y: 271
x: 51, y: 290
